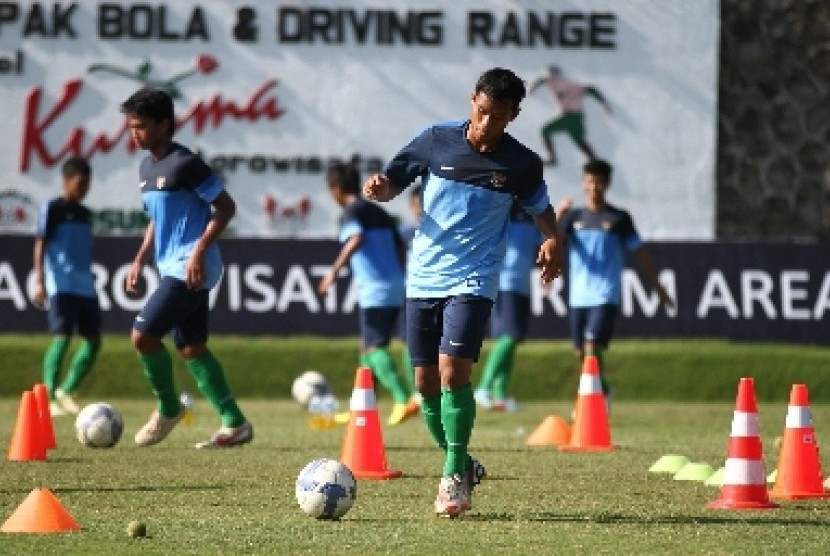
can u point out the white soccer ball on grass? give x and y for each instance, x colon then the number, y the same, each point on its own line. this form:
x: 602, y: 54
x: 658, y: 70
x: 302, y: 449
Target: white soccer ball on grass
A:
x: 99, y: 425
x: 326, y: 489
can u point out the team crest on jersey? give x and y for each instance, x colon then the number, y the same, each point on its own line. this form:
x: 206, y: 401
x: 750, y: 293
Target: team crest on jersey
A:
x: 160, y: 182
x: 606, y: 225
x: 497, y: 179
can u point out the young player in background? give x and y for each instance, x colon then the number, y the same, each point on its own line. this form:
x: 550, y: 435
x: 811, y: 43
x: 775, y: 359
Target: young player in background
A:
x: 408, y: 234
x: 470, y: 173
x: 375, y: 252
x: 189, y: 208
x: 511, y: 312
x: 63, y: 274
x: 598, y: 235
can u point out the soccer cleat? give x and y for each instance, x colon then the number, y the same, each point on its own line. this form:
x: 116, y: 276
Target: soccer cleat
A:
x: 508, y: 404
x: 66, y: 401
x: 229, y: 437
x: 453, y: 497
x: 55, y: 410
x: 482, y: 397
x: 472, y: 478
x: 157, y: 428
x: 401, y: 412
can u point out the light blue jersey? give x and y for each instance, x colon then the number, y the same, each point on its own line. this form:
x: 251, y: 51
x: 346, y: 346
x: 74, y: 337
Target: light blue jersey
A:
x: 376, y: 265
x: 177, y: 191
x: 466, y: 197
x: 66, y: 230
x: 597, y: 244
x: 523, y: 240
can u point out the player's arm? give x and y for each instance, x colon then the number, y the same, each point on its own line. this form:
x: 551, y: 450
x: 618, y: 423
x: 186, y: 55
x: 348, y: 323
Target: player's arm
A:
x: 224, y: 208
x: 144, y: 250
x: 349, y: 248
x: 550, y: 256
x: 650, y: 270
x: 40, y: 286
x: 594, y: 92
x: 538, y: 82
x: 408, y: 164
x: 380, y: 188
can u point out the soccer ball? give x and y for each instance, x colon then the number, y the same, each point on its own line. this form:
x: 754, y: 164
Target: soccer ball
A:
x: 307, y: 385
x: 99, y: 425
x: 326, y: 489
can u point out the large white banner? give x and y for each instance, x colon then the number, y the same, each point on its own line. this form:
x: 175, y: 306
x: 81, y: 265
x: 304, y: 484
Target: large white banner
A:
x: 271, y: 92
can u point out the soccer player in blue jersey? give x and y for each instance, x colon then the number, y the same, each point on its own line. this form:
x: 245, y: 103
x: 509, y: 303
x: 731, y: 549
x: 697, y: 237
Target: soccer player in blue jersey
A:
x: 598, y: 236
x: 511, y: 312
x: 188, y: 208
x: 375, y: 252
x: 471, y: 171
x: 63, y: 273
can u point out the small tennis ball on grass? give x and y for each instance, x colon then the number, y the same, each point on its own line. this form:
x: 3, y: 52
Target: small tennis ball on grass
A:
x: 136, y: 529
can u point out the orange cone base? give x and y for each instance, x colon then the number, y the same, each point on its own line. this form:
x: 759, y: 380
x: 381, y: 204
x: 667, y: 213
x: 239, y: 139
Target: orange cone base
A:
x: 577, y: 448
x: 40, y: 512
x: 790, y: 495
x: 553, y: 431
x: 743, y: 497
x: 740, y: 505
x: 384, y: 474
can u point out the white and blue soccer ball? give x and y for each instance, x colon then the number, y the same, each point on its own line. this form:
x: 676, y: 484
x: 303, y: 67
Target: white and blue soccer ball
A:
x: 326, y: 489
x: 99, y: 425
x: 309, y: 384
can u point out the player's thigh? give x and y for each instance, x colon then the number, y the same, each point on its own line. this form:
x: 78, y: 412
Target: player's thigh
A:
x: 377, y: 325
x: 89, y: 318
x: 170, y: 305
x: 464, y: 327
x: 423, y: 330
x: 63, y: 314
x: 600, y: 324
x: 511, y: 315
x: 192, y: 330
x: 577, y: 321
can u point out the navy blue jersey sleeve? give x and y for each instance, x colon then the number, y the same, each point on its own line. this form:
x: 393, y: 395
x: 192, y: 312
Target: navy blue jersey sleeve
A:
x: 45, y: 223
x: 412, y: 161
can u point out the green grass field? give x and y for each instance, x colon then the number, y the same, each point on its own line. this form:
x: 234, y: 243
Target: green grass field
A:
x: 536, y: 501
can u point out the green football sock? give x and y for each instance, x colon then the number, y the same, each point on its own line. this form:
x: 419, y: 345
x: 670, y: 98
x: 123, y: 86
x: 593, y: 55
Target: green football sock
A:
x: 210, y: 378
x: 158, y: 368
x: 81, y: 364
x: 496, y: 375
x: 431, y: 408
x: 458, y: 413
x: 52, y: 363
x: 408, y: 369
x: 383, y: 367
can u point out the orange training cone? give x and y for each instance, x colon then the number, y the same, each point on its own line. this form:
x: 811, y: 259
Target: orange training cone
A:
x: 363, y: 451
x: 47, y: 427
x: 26, y: 444
x: 799, y: 467
x: 553, y: 431
x: 40, y: 512
x: 744, y: 479
x: 590, y: 432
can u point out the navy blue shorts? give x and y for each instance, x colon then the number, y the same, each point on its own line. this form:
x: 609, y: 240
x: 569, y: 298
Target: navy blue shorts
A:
x: 377, y: 325
x: 593, y: 324
x: 453, y: 325
x: 174, y: 307
x: 511, y: 315
x: 68, y: 311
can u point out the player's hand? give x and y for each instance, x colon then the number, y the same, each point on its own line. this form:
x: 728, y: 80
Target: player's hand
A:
x: 39, y: 295
x: 326, y: 282
x: 377, y: 187
x: 664, y: 297
x: 133, y: 277
x: 550, y: 258
x: 564, y: 206
x: 194, y: 270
